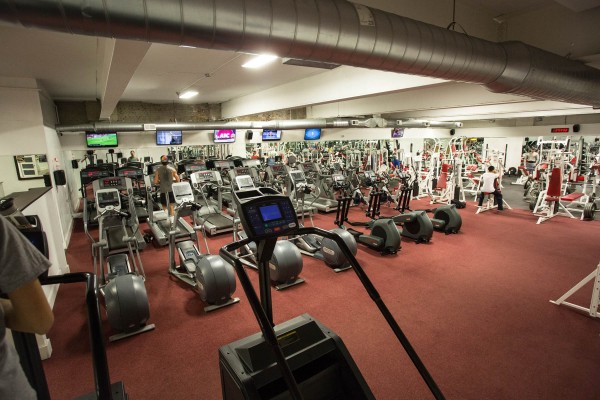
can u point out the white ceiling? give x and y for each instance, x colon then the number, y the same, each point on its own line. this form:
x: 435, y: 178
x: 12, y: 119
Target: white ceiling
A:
x: 72, y: 67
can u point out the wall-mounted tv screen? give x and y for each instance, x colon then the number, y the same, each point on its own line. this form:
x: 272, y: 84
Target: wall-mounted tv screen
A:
x: 169, y: 137
x: 397, y: 133
x: 93, y: 139
x: 271, y: 134
x: 224, y: 135
x: 312, y: 134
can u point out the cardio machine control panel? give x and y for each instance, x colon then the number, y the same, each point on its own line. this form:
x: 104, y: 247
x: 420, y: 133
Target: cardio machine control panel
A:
x: 266, y: 214
x: 182, y: 191
x: 108, y: 199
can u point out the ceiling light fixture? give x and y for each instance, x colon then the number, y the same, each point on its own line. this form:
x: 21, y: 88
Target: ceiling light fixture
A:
x: 260, y: 61
x: 188, y: 94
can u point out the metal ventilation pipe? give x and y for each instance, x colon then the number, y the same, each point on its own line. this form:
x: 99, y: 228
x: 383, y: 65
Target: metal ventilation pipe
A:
x: 334, y: 31
x: 275, y: 124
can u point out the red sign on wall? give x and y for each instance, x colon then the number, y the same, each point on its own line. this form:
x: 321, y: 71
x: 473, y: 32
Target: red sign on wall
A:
x: 559, y: 130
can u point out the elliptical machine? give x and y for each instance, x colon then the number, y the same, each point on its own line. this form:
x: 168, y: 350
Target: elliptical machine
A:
x: 123, y: 288
x: 316, y: 246
x: 384, y: 236
x: 285, y: 264
x: 209, y: 275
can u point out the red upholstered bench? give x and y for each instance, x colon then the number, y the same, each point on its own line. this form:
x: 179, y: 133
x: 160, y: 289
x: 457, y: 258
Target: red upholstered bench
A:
x: 572, y: 196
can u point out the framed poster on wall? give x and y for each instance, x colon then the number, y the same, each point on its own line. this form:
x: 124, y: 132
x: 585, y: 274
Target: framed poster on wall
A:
x: 31, y: 166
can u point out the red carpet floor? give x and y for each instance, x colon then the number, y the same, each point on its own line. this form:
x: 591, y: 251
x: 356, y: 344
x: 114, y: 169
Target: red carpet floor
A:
x: 475, y: 306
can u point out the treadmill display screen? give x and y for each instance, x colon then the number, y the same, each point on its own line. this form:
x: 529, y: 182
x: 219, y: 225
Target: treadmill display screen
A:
x: 270, y: 212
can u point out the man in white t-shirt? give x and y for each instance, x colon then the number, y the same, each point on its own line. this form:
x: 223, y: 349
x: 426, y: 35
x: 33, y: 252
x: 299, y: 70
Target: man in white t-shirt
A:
x: 490, y: 185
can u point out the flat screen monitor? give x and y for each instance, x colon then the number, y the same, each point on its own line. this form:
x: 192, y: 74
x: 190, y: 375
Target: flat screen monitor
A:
x: 312, y: 134
x: 271, y: 134
x: 93, y: 139
x: 397, y: 133
x: 224, y: 135
x: 169, y: 137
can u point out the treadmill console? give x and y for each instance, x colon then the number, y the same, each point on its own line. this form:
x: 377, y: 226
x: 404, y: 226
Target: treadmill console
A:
x: 117, y: 182
x: 89, y: 174
x: 244, y: 182
x: 182, y: 191
x: 130, y: 172
x: 194, y: 167
x: 265, y: 213
x: 238, y: 171
x: 278, y: 169
x: 251, y: 163
x: 108, y: 199
x: 223, y: 164
x: 297, y: 176
x: 206, y: 176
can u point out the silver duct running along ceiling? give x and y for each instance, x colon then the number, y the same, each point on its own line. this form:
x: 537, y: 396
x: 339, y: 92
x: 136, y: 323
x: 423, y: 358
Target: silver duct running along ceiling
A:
x: 332, y: 31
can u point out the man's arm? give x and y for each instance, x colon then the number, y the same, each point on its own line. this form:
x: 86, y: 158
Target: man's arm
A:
x: 27, y: 309
x: 156, y: 180
x: 175, y: 176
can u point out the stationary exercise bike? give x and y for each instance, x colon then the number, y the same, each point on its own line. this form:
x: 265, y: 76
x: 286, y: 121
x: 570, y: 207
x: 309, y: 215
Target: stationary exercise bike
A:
x: 122, y: 286
x: 209, y: 275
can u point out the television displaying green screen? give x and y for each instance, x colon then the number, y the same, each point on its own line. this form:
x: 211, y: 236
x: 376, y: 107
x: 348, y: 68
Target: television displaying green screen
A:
x: 93, y: 139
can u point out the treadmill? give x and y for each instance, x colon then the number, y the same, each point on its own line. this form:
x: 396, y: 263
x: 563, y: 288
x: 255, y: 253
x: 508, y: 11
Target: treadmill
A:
x: 136, y: 174
x: 211, y: 215
x: 323, y: 204
x: 298, y: 180
x: 87, y: 175
x: 112, y: 225
x: 223, y: 167
x: 160, y: 224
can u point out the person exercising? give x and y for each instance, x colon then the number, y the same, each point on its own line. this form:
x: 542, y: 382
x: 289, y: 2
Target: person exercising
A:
x: 26, y: 308
x: 490, y: 185
x: 531, y: 159
x: 164, y: 176
x: 132, y: 157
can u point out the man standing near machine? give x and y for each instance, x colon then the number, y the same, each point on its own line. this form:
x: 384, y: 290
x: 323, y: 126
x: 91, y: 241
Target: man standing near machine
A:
x: 164, y: 176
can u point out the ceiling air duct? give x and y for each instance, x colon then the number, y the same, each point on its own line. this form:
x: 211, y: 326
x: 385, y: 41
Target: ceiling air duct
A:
x: 329, y: 31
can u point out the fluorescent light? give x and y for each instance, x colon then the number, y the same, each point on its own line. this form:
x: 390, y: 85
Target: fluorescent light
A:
x: 259, y: 61
x: 188, y: 94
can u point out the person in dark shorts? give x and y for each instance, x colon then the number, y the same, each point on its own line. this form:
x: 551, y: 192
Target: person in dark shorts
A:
x: 164, y: 176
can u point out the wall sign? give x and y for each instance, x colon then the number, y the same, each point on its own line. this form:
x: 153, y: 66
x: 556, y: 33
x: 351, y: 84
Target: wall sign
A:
x: 31, y: 166
x: 559, y: 130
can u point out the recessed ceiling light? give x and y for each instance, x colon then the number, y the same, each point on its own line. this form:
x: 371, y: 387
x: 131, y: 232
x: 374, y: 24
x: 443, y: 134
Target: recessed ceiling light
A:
x: 259, y: 61
x: 188, y: 94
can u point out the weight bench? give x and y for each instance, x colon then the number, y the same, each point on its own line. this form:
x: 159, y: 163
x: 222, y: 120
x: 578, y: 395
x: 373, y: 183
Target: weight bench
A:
x: 489, y: 203
x: 548, y: 204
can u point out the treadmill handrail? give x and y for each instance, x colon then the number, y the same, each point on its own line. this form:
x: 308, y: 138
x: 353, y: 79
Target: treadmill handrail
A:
x: 269, y: 333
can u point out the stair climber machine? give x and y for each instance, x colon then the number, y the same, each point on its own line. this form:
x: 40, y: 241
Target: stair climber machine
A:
x: 285, y: 264
x: 300, y: 358
x: 122, y: 286
x: 209, y: 186
x: 384, y: 236
x: 209, y: 275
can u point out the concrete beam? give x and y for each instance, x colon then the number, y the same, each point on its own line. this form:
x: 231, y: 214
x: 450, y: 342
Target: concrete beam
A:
x: 118, y: 61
